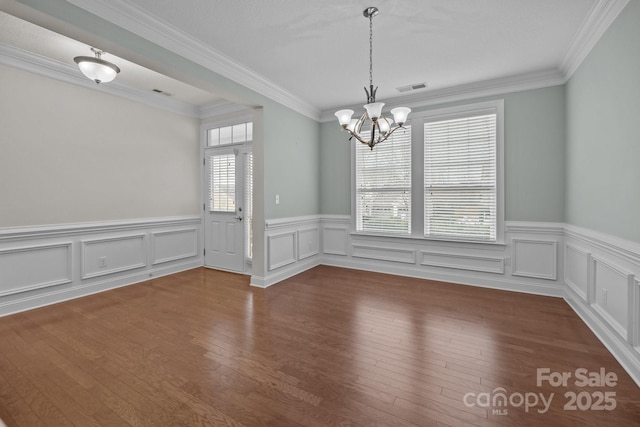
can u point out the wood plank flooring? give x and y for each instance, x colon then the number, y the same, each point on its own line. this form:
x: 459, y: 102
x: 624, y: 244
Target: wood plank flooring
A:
x: 329, y: 347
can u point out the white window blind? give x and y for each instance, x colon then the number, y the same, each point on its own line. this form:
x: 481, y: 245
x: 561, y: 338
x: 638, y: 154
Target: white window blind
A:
x: 222, y: 183
x: 460, y: 178
x: 383, y: 185
x: 248, y: 203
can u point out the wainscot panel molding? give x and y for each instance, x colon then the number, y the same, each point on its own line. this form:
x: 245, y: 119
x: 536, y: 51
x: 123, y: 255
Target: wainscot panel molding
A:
x: 26, y: 268
x: 602, y: 286
x: 463, y: 262
x: 281, y: 249
x: 49, y: 264
x: 576, y: 270
x: 174, y: 245
x: 335, y: 234
x: 384, y: 253
x: 308, y: 242
x: 101, y: 257
x: 535, y: 258
x: 478, y: 264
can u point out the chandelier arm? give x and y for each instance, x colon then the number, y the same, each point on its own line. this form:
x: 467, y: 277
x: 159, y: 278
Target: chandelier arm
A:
x: 393, y: 130
x: 356, y: 136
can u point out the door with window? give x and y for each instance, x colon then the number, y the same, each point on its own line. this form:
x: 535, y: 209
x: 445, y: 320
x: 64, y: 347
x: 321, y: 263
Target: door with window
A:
x: 228, y: 207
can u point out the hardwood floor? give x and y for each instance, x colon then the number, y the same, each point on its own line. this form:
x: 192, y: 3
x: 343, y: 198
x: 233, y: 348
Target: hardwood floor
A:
x: 328, y: 347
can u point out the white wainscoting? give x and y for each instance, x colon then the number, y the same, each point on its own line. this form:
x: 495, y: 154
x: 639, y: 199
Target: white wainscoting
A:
x: 308, y: 242
x: 601, y: 285
x: 25, y: 268
x: 531, y: 246
x: 174, y: 245
x: 101, y: 257
x: 292, y: 246
x: 281, y: 249
x: 535, y: 258
x: 49, y: 264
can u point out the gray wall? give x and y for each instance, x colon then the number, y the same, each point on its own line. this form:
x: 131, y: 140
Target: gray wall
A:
x: 534, y: 157
x: 603, y: 133
x: 71, y: 154
x: 292, y: 170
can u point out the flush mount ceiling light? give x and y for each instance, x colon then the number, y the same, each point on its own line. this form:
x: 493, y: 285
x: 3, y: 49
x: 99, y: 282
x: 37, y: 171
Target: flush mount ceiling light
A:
x: 96, y: 68
x: 379, y: 128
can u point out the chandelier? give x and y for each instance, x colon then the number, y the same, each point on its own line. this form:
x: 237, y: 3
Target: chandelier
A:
x: 379, y: 128
x: 97, y: 69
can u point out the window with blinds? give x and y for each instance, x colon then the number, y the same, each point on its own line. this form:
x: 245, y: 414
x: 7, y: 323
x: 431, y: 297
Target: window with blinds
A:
x: 222, y: 183
x: 383, y: 185
x: 460, y: 189
x: 248, y: 203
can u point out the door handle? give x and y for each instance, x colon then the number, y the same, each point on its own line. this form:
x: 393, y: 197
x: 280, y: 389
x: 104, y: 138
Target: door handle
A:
x: 238, y: 218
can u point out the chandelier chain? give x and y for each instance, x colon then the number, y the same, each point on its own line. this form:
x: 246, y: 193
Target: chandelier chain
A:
x: 371, y: 50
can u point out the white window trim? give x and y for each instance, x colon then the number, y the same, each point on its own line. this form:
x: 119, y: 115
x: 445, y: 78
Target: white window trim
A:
x: 416, y: 122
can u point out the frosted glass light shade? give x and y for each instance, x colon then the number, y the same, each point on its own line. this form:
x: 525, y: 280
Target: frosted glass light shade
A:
x: 344, y: 117
x: 374, y: 110
x: 400, y: 114
x: 352, y: 125
x: 383, y: 125
x: 96, y: 69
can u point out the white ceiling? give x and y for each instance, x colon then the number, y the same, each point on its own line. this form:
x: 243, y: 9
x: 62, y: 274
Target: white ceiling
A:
x: 318, y: 50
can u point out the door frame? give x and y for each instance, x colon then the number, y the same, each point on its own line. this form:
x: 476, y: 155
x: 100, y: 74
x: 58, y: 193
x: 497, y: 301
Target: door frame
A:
x: 204, y: 147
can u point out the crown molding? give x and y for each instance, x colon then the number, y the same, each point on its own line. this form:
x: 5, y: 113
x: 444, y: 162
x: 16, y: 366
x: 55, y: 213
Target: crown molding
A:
x: 41, y: 65
x: 492, y: 87
x: 222, y: 108
x: 601, y: 16
x: 133, y: 19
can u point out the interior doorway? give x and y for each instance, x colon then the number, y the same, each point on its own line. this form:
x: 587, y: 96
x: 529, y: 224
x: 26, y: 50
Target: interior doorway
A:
x: 228, y: 199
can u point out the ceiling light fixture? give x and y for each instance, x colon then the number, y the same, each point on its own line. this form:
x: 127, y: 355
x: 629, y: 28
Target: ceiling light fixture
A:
x: 380, y: 128
x: 97, y: 69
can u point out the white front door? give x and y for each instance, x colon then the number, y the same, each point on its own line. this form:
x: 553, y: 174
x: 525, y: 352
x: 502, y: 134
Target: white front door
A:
x: 225, y: 212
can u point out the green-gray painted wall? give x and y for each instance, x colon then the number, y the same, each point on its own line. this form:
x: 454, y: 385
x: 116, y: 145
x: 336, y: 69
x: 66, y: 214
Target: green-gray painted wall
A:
x: 603, y: 133
x: 534, y: 157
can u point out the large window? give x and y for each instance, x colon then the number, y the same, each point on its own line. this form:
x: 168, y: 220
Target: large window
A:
x: 454, y: 191
x: 460, y: 177
x: 383, y: 185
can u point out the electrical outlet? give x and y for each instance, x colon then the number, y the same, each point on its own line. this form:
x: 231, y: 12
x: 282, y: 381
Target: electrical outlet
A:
x: 102, y: 262
x: 604, y: 297
x: 277, y: 199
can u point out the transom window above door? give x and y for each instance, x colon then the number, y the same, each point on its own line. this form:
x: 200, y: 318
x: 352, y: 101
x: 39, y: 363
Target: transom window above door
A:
x: 233, y: 134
